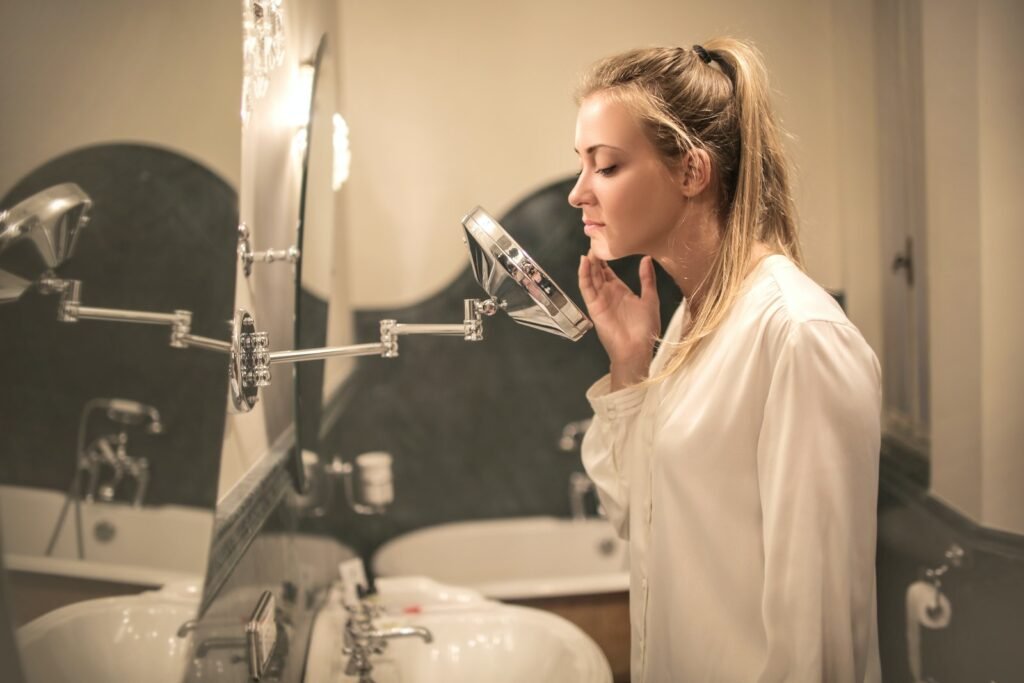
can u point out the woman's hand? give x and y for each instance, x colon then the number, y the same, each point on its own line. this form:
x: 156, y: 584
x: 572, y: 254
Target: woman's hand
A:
x: 626, y: 324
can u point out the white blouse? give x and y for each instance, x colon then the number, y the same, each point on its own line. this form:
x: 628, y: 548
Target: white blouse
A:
x: 746, y: 484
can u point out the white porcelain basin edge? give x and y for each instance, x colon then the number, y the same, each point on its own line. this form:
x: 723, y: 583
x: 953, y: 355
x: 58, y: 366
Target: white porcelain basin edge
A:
x: 478, y: 640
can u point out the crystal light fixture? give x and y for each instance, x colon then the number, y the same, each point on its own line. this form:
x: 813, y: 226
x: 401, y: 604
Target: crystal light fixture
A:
x: 263, y: 48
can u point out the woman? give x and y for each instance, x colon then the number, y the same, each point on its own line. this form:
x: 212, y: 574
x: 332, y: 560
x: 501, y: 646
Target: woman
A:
x: 740, y: 459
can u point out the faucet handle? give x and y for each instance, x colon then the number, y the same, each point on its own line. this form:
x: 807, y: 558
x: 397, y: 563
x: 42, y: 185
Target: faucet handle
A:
x: 572, y: 434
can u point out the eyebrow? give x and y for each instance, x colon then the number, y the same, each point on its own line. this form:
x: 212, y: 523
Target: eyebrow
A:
x: 590, y: 150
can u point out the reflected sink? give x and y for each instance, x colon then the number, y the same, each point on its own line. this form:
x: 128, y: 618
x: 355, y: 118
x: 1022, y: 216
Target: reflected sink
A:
x: 132, y: 638
x: 473, y: 641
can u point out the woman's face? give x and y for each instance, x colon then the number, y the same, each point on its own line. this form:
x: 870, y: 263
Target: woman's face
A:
x: 631, y: 201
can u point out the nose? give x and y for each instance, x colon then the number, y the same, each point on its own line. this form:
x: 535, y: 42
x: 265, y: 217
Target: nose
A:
x: 580, y: 194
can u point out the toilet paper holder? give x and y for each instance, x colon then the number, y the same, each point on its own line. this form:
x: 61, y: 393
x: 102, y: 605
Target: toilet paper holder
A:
x: 954, y: 558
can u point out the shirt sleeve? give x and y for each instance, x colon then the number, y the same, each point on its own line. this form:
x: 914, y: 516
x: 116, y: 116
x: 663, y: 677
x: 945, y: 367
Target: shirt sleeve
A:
x: 817, y: 460
x: 605, y: 444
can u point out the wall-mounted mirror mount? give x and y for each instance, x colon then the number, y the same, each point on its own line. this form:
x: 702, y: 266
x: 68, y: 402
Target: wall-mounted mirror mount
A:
x: 248, y: 257
x: 515, y: 282
x: 251, y: 357
x: 50, y: 222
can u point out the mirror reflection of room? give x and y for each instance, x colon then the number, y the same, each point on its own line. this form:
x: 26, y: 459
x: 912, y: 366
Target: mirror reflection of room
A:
x: 374, y: 458
x: 111, y: 439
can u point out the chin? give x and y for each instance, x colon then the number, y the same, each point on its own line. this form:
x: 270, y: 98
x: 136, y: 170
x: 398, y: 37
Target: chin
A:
x: 602, y: 250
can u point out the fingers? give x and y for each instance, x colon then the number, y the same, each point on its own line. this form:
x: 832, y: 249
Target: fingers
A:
x: 648, y: 282
x: 586, y: 278
x: 598, y: 271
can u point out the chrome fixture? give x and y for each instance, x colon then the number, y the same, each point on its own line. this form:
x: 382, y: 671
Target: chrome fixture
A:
x: 110, y: 451
x: 252, y: 358
x: 263, y: 49
x: 262, y: 634
x: 50, y: 221
x: 954, y: 558
x: 363, y: 639
x: 579, y: 486
x: 509, y: 275
x: 514, y: 282
x: 572, y: 434
x: 106, y: 452
x: 519, y: 287
x: 247, y: 256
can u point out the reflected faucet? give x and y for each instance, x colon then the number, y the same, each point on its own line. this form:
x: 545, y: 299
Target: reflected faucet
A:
x: 572, y: 434
x: 579, y: 485
x: 110, y: 452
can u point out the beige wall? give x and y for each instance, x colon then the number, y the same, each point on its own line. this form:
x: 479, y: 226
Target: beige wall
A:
x: 1001, y: 217
x: 1000, y: 90
x: 974, y: 105
x: 119, y: 72
x: 456, y: 103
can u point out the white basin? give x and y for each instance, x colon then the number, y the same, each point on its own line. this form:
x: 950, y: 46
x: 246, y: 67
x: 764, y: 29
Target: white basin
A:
x: 472, y: 642
x: 131, y: 638
x: 524, y: 557
x: 410, y: 594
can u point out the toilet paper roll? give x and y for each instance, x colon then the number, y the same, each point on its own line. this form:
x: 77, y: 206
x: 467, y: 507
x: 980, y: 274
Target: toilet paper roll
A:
x: 923, y: 610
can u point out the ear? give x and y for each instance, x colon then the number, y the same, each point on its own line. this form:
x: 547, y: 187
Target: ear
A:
x: 695, y: 172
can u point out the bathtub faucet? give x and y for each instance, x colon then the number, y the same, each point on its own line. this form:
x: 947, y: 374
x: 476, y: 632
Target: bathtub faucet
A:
x: 572, y: 435
x: 579, y: 485
x: 363, y: 639
x: 111, y: 452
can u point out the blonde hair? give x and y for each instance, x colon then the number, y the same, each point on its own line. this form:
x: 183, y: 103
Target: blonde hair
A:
x: 714, y: 98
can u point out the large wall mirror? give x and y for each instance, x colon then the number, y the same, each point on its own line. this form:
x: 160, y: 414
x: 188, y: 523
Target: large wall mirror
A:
x: 314, y: 270
x: 110, y: 439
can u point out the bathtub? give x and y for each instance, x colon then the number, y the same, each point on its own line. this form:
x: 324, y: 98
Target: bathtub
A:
x: 513, y: 559
x: 147, y: 546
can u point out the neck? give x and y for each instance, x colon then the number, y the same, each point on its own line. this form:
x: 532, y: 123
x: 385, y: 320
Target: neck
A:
x: 689, y: 251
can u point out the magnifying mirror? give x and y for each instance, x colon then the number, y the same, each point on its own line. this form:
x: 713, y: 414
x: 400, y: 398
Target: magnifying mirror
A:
x: 507, y: 273
x: 49, y: 221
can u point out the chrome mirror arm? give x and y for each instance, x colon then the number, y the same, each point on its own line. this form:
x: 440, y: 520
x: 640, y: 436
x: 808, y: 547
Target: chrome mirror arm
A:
x: 252, y: 357
x: 71, y: 310
x: 248, y: 256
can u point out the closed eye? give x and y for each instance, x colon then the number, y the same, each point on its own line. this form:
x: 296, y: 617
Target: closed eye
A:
x: 607, y: 170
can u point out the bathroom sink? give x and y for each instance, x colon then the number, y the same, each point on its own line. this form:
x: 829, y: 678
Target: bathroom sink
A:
x: 131, y: 638
x: 473, y: 641
x: 408, y: 594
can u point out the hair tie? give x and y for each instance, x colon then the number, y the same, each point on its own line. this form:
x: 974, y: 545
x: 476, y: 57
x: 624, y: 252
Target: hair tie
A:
x: 702, y: 53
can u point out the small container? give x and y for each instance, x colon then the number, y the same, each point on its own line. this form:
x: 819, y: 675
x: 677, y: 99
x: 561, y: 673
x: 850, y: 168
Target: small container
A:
x: 375, y: 477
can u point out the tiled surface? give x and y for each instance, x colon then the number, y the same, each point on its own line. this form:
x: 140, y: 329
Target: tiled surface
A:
x: 982, y: 642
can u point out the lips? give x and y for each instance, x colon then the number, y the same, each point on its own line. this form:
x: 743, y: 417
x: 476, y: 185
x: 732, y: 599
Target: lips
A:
x: 591, y: 227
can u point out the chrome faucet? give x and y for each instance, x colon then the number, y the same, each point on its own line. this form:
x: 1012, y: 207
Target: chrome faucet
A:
x: 572, y: 434
x: 111, y: 451
x: 363, y: 639
x: 108, y: 451
x: 579, y: 485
